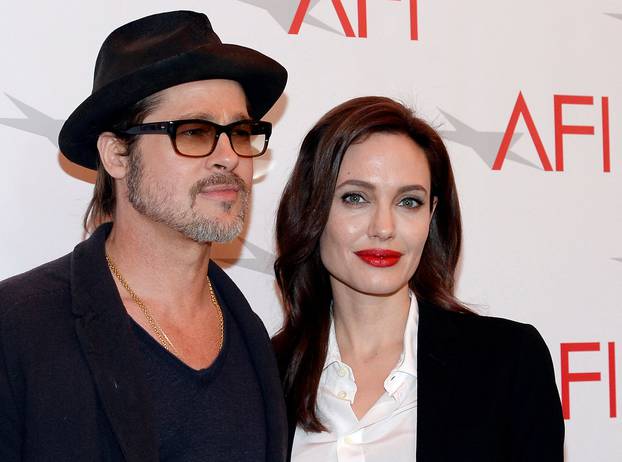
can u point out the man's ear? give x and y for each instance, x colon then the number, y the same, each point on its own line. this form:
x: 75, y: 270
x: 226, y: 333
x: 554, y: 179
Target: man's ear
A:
x: 113, y: 154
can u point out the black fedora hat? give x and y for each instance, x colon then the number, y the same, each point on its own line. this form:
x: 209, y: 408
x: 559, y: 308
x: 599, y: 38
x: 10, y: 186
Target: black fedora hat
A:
x: 157, y: 52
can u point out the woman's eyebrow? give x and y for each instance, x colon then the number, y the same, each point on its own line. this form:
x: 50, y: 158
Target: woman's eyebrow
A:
x: 412, y: 187
x: 371, y: 186
x: 359, y: 183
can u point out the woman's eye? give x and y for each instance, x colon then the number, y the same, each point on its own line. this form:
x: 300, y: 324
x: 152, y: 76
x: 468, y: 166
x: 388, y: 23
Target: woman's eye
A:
x: 353, y: 198
x: 410, y: 202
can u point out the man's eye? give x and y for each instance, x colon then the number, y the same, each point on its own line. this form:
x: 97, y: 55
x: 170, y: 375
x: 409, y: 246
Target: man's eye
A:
x: 410, y: 202
x: 193, y: 132
x: 353, y: 198
x: 241, y: 133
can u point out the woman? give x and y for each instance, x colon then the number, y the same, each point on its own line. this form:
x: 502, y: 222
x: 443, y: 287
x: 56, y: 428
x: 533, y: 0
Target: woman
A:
x: 379, y: 360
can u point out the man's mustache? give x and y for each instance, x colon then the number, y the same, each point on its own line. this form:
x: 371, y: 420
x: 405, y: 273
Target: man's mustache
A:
x: 230, y: 179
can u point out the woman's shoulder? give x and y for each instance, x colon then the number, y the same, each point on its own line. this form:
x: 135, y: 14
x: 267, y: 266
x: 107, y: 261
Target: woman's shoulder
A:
x: 484, y: 333
x: 496, y: 372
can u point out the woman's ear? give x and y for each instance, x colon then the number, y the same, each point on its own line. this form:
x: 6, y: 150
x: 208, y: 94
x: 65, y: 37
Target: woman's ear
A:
x: 113, y: 154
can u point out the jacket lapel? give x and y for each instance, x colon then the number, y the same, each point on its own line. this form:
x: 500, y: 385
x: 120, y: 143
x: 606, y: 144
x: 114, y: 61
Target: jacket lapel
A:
x: 110, y: 350
x: 435, y: 382
x: 262, y: 356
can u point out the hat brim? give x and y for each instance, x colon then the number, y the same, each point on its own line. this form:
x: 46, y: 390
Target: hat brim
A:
x: 262, y: 78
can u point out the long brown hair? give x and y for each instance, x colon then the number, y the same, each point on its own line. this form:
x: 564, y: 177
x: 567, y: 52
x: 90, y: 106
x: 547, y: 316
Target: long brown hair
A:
x: 302, y: 343
x: 102, y: 205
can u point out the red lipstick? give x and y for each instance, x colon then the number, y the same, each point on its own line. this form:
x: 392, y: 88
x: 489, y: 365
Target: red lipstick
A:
x: 381, y: 258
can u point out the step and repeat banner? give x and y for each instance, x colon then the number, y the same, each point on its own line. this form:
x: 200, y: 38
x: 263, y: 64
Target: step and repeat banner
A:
x: 527, y: 95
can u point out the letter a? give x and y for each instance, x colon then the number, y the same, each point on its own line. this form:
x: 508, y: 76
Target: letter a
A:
x: 521, y: 108
x: 303, y: 6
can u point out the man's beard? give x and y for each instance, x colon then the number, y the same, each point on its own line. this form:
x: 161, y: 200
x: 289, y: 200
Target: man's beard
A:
x: 156, y: 203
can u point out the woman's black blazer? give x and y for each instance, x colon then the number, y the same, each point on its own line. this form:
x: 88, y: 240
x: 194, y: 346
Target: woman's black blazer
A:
x: 486, y: 391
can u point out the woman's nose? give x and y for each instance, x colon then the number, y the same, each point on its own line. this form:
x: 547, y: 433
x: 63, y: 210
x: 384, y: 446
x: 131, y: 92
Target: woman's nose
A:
x: 382, y: 224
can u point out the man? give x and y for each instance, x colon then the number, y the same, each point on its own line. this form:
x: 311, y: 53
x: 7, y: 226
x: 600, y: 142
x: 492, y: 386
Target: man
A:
x: 135, y: 346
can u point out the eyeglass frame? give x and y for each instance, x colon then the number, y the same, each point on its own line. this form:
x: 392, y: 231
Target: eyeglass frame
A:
x: 169, y: 127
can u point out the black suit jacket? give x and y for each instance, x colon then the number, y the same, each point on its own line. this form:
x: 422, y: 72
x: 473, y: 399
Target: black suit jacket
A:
x: 71, y: 383
x: 485, y: 391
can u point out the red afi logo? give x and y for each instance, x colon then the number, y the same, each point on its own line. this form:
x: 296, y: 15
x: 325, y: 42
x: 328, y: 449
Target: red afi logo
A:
x: 361, y: 5
x: 567, y: 376
x: 559, y: 101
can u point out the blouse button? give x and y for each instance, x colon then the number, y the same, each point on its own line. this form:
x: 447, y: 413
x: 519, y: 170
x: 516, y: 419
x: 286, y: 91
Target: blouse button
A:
x: 342, y: 395
x: 342, y: 372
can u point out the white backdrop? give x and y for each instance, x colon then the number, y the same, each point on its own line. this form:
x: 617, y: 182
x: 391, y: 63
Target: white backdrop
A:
x: 542, y: 239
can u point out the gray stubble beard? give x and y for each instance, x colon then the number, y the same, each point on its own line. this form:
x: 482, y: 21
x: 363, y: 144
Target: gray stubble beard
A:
x: 145, y: 199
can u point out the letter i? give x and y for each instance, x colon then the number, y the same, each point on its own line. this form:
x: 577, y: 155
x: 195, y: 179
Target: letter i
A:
x: 612, y: 380
x: 606, y: 146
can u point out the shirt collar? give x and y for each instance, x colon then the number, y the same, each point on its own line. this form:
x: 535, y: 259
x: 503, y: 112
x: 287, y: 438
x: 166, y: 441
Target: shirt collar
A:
x: 332, y: 355
x: 408, y: 360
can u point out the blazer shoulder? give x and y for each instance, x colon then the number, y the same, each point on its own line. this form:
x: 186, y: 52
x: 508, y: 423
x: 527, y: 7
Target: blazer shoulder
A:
x: 515, y: 357
x: 49, y: 281
x: 499, y: 374
x: 515, y: 338
x: 490, y: 325
x: 488, y: 333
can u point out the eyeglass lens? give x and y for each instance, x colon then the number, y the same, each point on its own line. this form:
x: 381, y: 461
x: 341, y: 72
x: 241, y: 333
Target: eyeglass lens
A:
x: 197, y: 139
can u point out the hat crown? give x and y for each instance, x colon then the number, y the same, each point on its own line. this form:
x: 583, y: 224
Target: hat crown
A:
x: 149, y: 40
x: 158, y: 52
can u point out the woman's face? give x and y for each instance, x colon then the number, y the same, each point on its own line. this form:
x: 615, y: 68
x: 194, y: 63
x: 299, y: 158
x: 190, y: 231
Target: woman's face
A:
x: 379, y: 216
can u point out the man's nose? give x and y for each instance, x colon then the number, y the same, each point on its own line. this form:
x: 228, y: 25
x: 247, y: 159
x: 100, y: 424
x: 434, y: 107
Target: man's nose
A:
x: 223, y: 157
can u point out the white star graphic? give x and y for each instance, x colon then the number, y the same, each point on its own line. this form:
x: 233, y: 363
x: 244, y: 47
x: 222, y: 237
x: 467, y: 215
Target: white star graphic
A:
x: 485, y: 144
x: 283, y: 12
x: 261, y: 261
x: 36, y: 122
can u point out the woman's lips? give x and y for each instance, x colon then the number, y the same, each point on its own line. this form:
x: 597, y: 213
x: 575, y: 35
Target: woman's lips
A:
x: 381, y: 258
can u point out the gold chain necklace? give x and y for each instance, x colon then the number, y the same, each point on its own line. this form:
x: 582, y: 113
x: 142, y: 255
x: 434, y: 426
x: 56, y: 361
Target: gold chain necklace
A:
x: 157, y: 330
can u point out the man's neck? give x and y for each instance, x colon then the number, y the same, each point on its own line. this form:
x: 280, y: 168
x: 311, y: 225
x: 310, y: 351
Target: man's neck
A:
x: 159, y: 262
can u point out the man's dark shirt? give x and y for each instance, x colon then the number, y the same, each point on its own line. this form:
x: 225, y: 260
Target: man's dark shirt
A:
x: 211, y: 414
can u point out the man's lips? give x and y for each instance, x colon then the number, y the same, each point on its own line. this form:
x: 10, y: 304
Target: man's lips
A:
x: 225, y: 192
x: 379, y: 257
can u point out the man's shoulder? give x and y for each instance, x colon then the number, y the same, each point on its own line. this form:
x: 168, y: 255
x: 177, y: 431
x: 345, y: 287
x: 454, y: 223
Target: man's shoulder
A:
x: 48, y: 281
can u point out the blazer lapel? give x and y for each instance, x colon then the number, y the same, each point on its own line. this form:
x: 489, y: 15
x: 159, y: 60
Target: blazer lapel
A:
x: 435, y: 381
x: 264, y: 362
x: 111, y: 352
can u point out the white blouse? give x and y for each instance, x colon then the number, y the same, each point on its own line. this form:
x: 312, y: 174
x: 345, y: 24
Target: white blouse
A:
x: 387, y: 432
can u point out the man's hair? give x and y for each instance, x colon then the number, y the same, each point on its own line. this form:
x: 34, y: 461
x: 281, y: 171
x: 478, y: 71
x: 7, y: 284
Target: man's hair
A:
x: 302, y: 216
x: 102, y: 205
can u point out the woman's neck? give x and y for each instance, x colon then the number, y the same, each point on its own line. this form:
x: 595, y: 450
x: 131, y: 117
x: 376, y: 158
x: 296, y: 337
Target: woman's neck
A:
x: 366, y: 325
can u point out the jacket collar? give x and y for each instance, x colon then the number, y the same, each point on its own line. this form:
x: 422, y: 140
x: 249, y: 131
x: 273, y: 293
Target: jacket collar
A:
x: 437, y: 336
x: 111, y: 352
x: 264, y: 362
